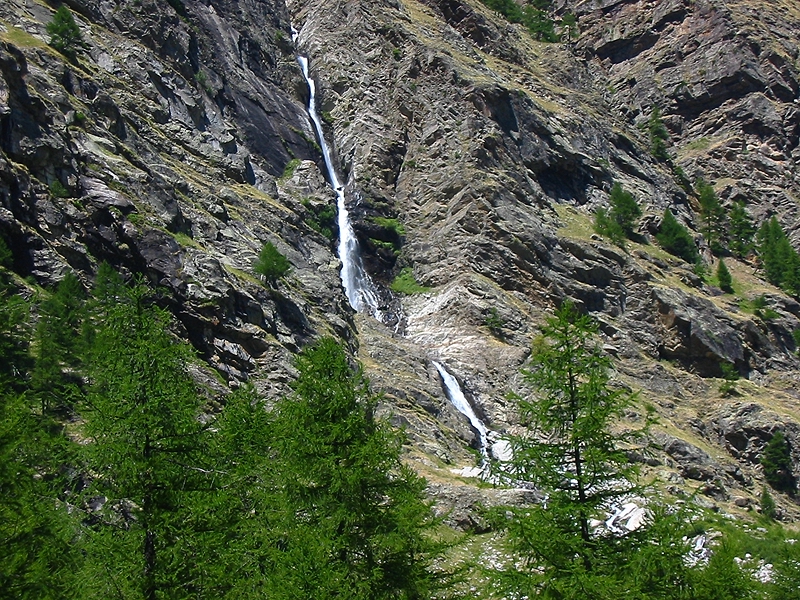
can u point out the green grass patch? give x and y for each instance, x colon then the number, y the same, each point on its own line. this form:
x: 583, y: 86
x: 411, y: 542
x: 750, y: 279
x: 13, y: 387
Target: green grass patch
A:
x: 21, y: 38
x: 758, y: 307
x: 186, y: 241
x: 290, y: 168
x: 243, y: 275
x: 405, y: 283
x: 699, y: 144
x: 392, y: 225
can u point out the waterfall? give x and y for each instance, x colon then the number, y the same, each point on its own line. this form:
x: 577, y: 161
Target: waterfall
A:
x: 360, y: 290
x: 456, y: 396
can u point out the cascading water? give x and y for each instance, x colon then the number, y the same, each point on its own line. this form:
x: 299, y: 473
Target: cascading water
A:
x: 360, y: 290
x: 456, y: 396
x: 499, y: 450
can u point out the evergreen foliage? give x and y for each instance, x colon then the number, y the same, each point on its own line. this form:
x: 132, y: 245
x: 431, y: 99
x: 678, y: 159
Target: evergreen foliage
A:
x: 779, y: 259
x: 724, y: 277
x: 534, y: 15
x: 321, y: 218
x: 729, y: 378
x: 36, y: 561
x: 6, y: 256
x: 271, y: 264
x: 618, y: 222
x: 147, y: 452
x: 494, y: 322
x: 569, y: 27
x: 310, y: 499
x: 723, y: 578
x: 59, y: 344
x: 245, y: 501
x: 14, y: 333
x: 659, y: 136
x: 573, y: 456
x: 786, y: 575
x: 776, y: 461
x: 712, y: 215
x: 767, y: 504
x: 65, y: 36
x: 741, y: 231
x: 35, y: 528
x: 352, y: 516
x: 675, y: 238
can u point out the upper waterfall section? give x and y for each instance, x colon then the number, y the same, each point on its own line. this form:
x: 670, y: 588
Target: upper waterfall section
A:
x: 361, y: 291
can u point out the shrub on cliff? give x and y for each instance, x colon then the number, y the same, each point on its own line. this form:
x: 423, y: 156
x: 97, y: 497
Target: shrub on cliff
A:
x: 780, y: 260
x: 741, y: 230
x: 618, y: 222
x: 271, y: 264
x: 658, y: 135
x: 675, y: 238
x: 65, y: 36
x: 777, y: 463
x: 712, y: 215
x: 724, y: 277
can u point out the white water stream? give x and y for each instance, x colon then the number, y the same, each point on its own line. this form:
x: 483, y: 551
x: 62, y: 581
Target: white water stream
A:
x: 357, y: 284
x: 456, y: 396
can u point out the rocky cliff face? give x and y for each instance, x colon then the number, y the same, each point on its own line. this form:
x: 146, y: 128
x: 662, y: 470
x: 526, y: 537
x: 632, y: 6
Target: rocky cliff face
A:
x: 470, y: 154
x: 725, y: 73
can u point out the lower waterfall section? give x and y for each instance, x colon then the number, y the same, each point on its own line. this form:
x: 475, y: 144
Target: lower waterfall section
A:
x: 457, y: 398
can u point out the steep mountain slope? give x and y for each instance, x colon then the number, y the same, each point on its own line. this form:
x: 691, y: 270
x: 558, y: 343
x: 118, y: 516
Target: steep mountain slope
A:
x: 470, y: 153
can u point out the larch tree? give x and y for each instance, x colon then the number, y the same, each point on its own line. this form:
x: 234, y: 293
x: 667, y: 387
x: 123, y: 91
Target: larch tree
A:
x: 353, y: 521
x: 712, y: 215
x: 574, y: 455
x: 146, y: 453
x: 36, y: 531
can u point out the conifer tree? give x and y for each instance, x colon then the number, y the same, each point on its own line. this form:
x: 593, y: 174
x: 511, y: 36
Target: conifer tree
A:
x: 786, y: 575
x: 36, y: 561
x: 539, y: 24
x: 658, y: 135
x: 618, y: 222
x: 723, y: 578
x: 59, y: 343
x: 675, y: 239
x: 741, y: 231
x: 572, y: 455
x: 767, y: 504
x: 6, y: 257
x: 353, y: 520
x: 271, y: 264
x: 712, y: 215
x: 147, y: 453
x: 780, y: 260
x: 569, y: 27
x: 724, y: 277
x: 777, y: 463
x: 246, y: 502
x: 65, y: 35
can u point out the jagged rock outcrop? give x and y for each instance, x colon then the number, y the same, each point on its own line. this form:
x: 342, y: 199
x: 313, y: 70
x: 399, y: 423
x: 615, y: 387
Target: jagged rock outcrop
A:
x: 177, y: 143
x: 725, y: 75
x: 159, y: 150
